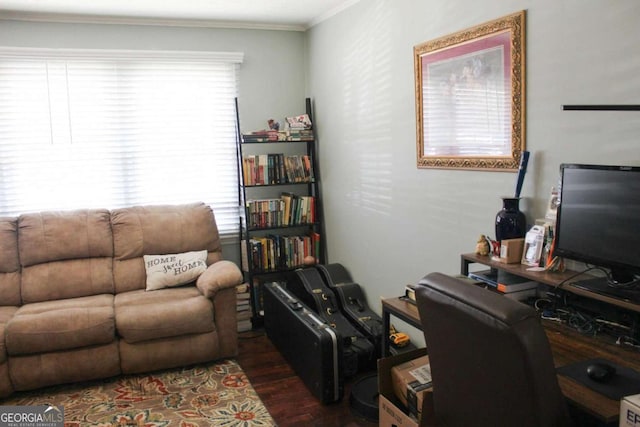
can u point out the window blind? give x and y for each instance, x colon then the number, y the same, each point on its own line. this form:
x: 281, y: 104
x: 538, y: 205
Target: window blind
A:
x: 89, y: 129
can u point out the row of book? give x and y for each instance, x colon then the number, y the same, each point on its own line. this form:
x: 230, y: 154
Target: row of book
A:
x: 293, y: 134
x: 278, y: 252
x: 288, y: 210
x: 243, y: 307
x: 262, y: 169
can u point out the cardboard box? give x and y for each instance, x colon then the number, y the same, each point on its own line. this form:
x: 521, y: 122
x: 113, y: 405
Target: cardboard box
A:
x: 392, y: 416
x: 511, y: 251
x: 630, y: 411
x: 411, y: 380
x: 391, y: 410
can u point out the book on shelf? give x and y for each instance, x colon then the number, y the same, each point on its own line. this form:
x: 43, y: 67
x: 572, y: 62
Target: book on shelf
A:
x: 293, y: 134
x: 243, y: 315
x: 315, y: 240
x: 276, y: 168
x: 244, y: 325
x: 261, y: 136
x: 301, y: 121
x: 279, y: 252
x: 300, y: 134
x: 289, y: 209
x: 287, y: 198
x: 242, y: 297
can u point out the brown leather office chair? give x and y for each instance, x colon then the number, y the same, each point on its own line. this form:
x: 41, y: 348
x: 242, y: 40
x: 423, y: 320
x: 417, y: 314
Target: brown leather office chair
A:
x: 490, y: 358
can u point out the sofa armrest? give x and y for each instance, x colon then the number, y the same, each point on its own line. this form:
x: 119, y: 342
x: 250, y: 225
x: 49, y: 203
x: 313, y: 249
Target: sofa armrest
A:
x: 219, y: 275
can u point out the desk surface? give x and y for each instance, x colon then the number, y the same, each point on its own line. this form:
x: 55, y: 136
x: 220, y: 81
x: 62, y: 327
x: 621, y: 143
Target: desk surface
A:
x: 568, y: 346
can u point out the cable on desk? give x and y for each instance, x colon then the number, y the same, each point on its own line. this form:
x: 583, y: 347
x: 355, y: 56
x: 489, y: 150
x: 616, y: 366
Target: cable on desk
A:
x: 628, y: 341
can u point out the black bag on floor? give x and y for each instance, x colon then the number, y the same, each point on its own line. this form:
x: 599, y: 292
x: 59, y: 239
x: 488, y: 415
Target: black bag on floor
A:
x: 353, y: 303
x: 313, y: 349
x: 360, y: 355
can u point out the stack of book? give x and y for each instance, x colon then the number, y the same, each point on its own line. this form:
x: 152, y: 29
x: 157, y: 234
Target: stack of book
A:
x: 243, y: 307
x: 261, y: 136
x: 299, y: 128
x: 300, y: 135
x: 299, y: 122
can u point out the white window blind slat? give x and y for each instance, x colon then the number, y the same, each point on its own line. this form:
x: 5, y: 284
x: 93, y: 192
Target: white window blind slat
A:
x: 81, y: 129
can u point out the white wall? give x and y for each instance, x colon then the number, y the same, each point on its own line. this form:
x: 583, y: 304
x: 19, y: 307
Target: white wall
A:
x: 390, y: 223
x: 271, y: 78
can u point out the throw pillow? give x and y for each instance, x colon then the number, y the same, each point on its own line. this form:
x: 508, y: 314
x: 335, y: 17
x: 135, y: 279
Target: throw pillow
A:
x: 169, y: 270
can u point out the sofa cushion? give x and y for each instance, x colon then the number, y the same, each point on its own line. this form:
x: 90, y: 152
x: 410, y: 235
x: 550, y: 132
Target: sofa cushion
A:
x: 154, y: 230
x: 9, y: 263
x: 67, y: 279
x: 165, y: 271
x: 6, y: 313
x: 142, y: 316
x: 65, y: 254
x: 168, y: 352
x: 55, y: 236
x: 60, y: 367
x: 61, y: 325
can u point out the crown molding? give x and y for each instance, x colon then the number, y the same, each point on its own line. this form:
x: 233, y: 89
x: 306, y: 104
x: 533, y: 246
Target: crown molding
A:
x: 142, y: 55
x: 165, y: 22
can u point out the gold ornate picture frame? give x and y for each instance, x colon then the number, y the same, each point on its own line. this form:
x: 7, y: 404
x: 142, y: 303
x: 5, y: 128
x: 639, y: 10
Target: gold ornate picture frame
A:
x: 470, y: 97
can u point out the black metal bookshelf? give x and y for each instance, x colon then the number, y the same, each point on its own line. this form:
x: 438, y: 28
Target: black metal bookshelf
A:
x: 280, y: 258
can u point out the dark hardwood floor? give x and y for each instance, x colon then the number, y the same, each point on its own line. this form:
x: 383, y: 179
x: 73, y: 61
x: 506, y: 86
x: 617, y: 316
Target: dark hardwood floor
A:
x: 284, y: 394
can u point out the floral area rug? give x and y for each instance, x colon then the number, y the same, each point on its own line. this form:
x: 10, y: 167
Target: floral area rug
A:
x: 214, y: 394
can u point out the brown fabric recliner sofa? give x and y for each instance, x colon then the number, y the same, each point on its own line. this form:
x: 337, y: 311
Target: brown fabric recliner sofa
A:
x: 73, y: 298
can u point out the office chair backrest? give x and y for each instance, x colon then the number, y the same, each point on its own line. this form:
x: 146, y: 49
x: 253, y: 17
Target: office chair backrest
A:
x: 490, y: 358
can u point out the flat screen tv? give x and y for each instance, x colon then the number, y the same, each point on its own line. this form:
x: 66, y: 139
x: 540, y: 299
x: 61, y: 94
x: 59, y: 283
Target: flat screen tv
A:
x: 598, y: 223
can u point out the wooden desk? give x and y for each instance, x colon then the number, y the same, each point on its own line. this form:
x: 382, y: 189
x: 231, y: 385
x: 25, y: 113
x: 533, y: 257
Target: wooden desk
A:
x: 567, y: 346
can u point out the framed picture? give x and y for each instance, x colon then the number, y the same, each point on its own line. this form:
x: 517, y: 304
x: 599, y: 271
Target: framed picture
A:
x: 470, y: 97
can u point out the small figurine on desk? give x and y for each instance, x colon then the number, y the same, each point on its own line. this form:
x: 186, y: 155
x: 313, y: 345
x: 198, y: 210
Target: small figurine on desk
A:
x: 482, y: 246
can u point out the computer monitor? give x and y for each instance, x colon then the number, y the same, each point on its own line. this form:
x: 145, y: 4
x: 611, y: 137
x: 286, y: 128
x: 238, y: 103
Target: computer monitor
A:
x: 598, y: 222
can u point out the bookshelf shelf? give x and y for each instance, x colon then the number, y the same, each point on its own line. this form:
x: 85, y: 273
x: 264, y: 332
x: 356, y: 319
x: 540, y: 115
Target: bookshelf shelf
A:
x: 284, y: 227
x: 279, y: 226
x: 297, y: 141
x: 279, y: 185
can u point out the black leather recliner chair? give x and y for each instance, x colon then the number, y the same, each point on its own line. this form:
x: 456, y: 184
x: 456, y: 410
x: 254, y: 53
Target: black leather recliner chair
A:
x: 490, y: 358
